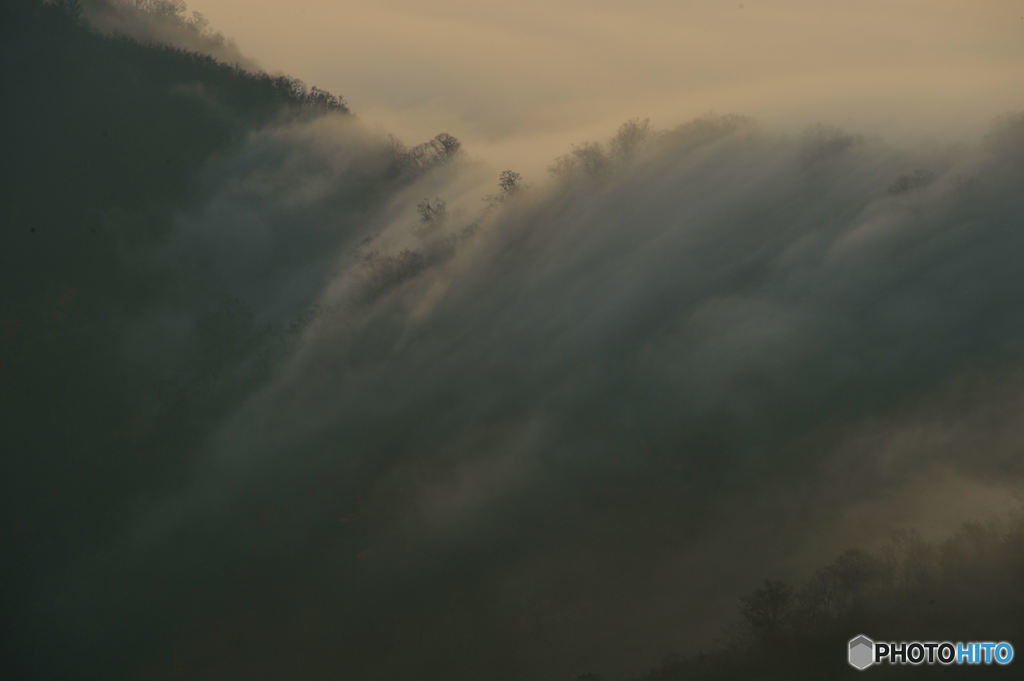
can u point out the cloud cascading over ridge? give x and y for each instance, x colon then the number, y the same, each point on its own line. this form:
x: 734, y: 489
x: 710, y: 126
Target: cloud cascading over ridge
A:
x: 596, y: 397
x: 322, y: 402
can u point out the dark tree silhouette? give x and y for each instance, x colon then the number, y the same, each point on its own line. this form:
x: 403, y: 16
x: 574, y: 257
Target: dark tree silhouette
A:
x: 766, y: 608
x: 432, y: 213
x: 509, y: 181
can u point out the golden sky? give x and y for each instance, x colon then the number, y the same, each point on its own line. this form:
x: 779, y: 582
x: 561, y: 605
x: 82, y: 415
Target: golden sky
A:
x: 513, y: 78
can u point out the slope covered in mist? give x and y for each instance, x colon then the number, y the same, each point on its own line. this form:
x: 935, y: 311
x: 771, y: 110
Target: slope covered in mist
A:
x: 907, y: 589
x: 286, y: 398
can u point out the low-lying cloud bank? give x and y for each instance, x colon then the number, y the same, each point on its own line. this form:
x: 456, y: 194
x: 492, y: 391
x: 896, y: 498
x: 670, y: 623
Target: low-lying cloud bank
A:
x: 348, y: 406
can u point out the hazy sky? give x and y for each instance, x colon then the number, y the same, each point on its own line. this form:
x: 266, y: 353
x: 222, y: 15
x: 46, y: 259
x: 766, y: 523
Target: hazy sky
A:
x: 512, y: 78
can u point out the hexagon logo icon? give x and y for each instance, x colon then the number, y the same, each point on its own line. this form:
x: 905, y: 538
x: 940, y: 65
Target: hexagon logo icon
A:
x: 861, y: 652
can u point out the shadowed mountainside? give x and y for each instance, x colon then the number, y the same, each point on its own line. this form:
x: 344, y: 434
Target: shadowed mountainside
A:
x: 960, y: 589
x: 285, y: 398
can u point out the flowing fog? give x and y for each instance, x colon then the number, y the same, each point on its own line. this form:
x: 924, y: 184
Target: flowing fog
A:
x: 291, y: 398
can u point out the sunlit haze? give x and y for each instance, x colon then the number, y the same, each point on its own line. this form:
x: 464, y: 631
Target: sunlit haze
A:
x: 511, y: 78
